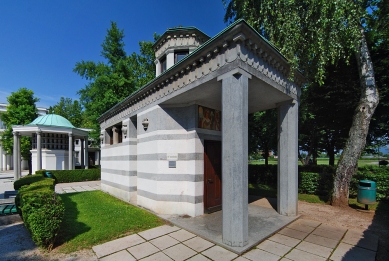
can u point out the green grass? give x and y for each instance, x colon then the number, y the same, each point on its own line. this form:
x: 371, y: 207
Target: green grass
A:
x: 320, y: 161
x: 93, y: 217
x: 262, y: 190
x: 266, y: 191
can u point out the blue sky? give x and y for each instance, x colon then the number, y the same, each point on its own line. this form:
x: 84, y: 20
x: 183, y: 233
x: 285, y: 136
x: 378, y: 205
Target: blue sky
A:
x: 41, y: 40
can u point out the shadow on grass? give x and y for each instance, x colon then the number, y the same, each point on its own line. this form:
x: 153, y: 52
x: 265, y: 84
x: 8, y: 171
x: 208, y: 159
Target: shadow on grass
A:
x: 70, y: 228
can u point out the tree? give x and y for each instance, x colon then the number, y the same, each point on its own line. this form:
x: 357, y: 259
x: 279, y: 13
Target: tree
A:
x: 263, y: 133
x: 313, y: 34
x: 21, y: 110
x: 70, y: 110
x: 111, y: 82
x: 378, y: 39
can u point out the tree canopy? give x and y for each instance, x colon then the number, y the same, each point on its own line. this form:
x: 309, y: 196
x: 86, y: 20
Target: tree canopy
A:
x: 112, y: 81
x: 314, y: 34
x: 21, y: 110
x: 70, y: 110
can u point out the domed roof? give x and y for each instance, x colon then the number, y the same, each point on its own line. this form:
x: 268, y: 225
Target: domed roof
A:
x: 53, y: 120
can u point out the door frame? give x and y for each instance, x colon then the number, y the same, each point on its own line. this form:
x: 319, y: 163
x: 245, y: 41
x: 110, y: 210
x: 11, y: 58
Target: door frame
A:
x: 205, y: 196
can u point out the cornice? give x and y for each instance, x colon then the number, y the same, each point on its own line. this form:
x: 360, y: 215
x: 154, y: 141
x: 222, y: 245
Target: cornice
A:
x: 240, y: 43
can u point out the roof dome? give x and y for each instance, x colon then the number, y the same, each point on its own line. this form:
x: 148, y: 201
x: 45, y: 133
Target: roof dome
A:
x: 53, y: 120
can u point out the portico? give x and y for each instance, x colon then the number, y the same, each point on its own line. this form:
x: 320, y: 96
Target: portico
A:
x: 179, y: 144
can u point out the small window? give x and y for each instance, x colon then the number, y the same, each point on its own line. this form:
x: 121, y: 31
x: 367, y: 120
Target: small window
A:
x: 179, y: 55
x: 163, y: 64
x: 77, y: 142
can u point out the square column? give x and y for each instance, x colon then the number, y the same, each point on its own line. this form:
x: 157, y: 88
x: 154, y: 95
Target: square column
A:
x: 16, y: 155
x: 70, y: 151
x: 234, y: 157
x: 1, y: 158
x: 82, y: 157
x: 287, y: 184
x: 38, y: 151
x: 86, y: 156
x: 16, y: 151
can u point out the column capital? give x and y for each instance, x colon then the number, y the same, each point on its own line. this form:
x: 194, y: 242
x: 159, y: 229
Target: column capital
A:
x: 234, y: 72
x: 39, y: 132
x: 15, y: 133
x: 70, y: 134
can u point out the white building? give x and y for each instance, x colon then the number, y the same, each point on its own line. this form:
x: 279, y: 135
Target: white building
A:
x: 179, y: 145
x: 6, y: 161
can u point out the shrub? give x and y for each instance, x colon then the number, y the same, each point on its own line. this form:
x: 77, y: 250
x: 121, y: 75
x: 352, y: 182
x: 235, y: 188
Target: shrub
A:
x: 308, y: 182
x: 41, y: 210
x: 76, y: 175
x: 27, y: 180
x: 374, y: 173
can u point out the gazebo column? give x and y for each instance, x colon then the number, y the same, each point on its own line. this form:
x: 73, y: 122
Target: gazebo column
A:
x: 1, y: 157
x: 38, y: 151
x: 287, y: 158
x: 115, y: 133
x: 82, y: 154
x: 234, y: 157
x: 70, y: 151
x: 16, y: 154
x: 86, y: 156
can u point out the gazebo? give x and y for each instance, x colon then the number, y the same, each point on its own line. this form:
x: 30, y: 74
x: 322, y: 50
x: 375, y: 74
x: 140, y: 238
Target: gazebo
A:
x: 52, y: 143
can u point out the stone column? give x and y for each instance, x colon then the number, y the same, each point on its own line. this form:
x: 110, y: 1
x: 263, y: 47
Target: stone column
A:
x: 70, y: 151
x: 157, y: 68
x: 86, y: 156
x: 38, y: 151
x: 16, y: 154
x: 287, y: 158
x: 115, y: 134
x: 1, y: 158
x: 169, y: 59
x: 82, y: 154
x: 234, y: 157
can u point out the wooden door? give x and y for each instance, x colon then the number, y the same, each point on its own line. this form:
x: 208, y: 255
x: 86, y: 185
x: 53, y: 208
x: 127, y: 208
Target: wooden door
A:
x: 212, y: 176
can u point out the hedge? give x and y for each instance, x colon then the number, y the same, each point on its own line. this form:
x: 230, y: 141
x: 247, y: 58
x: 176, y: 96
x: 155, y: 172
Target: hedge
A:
x: 74, y: 175
x: 318, y: 179
x: 42, y: 211
x: 375, y: 173
x: 27, y: 180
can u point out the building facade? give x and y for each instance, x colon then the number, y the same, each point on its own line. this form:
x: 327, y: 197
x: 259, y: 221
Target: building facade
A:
x: 6, y: 160
x: 179, y: 145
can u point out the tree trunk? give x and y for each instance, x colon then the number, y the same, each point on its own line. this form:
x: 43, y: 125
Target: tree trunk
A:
x: 356, y: 142
x: 266, y: 156
x: 331, y: 155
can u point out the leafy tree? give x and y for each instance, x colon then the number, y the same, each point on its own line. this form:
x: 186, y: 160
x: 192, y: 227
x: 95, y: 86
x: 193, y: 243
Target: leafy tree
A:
x: 110, y: 82
x: 263, y: 133
x: 312, y: 34
x: 378, y: 38
x: 21, y: 110
x: 70, y: 110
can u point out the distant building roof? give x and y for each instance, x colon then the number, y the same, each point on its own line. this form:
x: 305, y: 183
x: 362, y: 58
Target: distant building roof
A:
x: 53, y: 120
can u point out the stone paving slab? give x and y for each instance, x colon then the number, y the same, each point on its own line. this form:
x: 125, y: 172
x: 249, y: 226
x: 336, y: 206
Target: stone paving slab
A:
x: 179, y: 252
x: 274, y: 248
x: 346, y: 252
x: 172, y: 243
x: 142, y: 250
x: 158, y: 231
x: 361, y: 239
x: 117, y: 245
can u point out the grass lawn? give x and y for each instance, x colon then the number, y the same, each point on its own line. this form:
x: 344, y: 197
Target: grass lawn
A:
x: 320, y: 161
x: 266, y: 191
x: 94, y: 217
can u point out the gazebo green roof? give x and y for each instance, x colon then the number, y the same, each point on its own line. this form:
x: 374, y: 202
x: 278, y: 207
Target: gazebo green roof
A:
x: 52, y: 120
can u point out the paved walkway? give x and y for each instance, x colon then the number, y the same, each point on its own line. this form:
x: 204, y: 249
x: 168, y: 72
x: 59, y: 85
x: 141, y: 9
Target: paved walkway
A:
x: 302, y: 240
x: 63, y: 188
